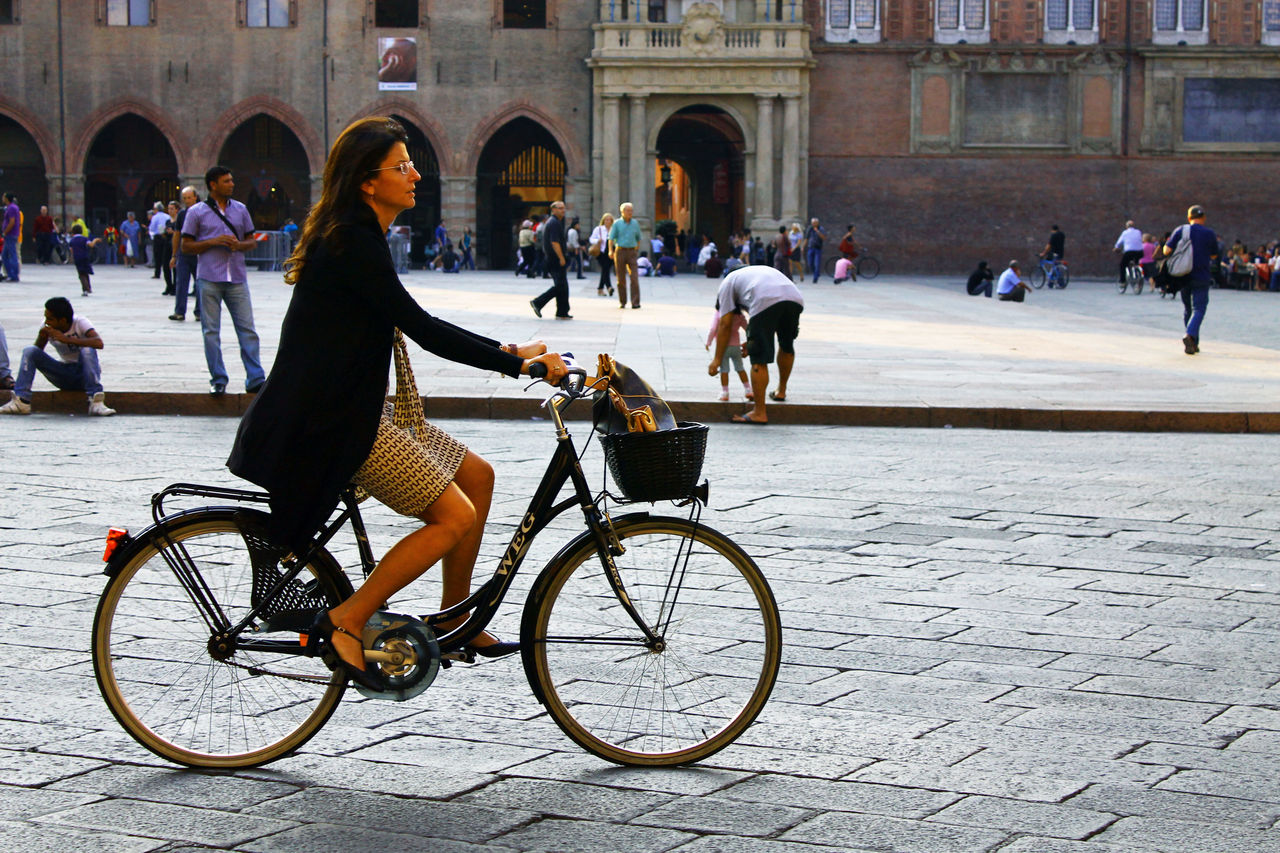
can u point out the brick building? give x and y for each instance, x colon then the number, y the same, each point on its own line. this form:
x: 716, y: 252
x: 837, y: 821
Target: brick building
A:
x: 947, y: 129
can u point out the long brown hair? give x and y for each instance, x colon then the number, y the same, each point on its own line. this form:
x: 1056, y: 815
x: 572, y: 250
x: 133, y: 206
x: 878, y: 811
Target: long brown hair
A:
x: 357, y: 152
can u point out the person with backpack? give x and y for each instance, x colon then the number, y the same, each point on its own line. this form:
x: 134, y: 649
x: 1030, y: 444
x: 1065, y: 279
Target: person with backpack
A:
x: 1192, y: 249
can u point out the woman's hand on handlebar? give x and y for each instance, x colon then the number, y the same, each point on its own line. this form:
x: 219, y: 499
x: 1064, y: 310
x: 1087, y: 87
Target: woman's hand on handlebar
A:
x: 530, y: 349
x: 551, y: 362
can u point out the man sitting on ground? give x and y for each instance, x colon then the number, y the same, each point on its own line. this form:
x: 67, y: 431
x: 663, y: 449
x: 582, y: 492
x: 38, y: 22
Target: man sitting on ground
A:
x: 77, y: 343
x: 1011, y: 287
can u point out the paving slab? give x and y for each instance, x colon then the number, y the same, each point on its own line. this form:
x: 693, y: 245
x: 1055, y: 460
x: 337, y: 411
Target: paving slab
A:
x: 938, y: 694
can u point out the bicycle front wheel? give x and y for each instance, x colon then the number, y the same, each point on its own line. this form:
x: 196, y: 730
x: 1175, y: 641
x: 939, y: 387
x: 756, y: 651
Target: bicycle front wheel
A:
x: 1038, y: 278
x: 165, y: 681
x: 868, y: 267
x: 645, y: 703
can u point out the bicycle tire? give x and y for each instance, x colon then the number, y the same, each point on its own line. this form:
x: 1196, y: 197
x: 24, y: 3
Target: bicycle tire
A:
x: 155, y: 669
x: 1038, y: 278
x: 829, y: 265
x: 1123, y: 284
x: 868, y: 267
x: 1136, y: 280
x: 1064, y: 277
x: 630, y: 704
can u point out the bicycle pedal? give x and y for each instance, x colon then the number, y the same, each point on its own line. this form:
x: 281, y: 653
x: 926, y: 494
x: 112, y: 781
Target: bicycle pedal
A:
x: 462, y: 656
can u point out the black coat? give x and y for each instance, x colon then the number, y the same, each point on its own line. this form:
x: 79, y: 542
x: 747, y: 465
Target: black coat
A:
x: 313, y: 423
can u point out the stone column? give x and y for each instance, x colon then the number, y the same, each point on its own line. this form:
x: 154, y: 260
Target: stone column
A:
x: 791, y: 158
x: 611, y: 148
x: 458, y: 204
x: 765, y: 217
x: 641, y: 170
x: 74, y: 187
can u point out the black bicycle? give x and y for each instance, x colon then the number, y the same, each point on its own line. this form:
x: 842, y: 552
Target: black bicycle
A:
x: 651, y: 640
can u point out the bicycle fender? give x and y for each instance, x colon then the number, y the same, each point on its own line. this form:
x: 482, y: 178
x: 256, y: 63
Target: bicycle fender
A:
x: 131, y: 545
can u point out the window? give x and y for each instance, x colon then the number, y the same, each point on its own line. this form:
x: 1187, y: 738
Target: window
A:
x: 1180, y: 22
x: 1271, y: 22
x: 1072, y: 21
x: 129, y: 13
x: 396, y: 13
x: 524, y: 14
x: 961, y: 21
x: 9, y: 11
x: 267, y: 13
x: 853, y: 21
x: 657, y: 11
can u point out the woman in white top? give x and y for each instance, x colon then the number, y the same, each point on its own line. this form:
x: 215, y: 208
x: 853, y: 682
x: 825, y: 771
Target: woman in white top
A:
x: 796, y: 236
x: 600, y: 246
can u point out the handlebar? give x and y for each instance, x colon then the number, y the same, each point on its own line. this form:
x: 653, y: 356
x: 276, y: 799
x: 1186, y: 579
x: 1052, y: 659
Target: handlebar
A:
x: 573, y: 382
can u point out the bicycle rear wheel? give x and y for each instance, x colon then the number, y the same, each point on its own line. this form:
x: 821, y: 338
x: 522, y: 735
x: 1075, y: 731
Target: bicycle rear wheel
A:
x: 868, y: 267
x: 168, y: 685
x: 653, y: 704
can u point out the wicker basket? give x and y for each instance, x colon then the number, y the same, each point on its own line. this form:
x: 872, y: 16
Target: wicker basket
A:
x: 657, y: 466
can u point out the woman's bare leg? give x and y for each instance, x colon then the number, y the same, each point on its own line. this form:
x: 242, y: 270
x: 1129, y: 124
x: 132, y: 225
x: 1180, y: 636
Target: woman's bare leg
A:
x: 449, y: 521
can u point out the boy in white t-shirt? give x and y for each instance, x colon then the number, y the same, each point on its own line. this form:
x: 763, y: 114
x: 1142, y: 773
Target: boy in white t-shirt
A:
x: 77, y: 369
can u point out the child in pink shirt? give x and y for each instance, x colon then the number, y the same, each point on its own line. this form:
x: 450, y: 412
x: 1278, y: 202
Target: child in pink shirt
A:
x: 732, y: 354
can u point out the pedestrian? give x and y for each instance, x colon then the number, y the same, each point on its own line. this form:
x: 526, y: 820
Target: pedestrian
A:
x: 772, y: 304
x: 624, y: 249
x: 539, y: 251
x: 219, y: 231
x: 714, y: 267
x: 644, y: 265
x: 553, y: 246
x: 524, y: 241
x: 449, y: 259
x: 304, y: 444
x: 44, y: 229
x: 468, y: 261
x: 76, y: 369
x: 1195, y: 285
x: 844, y: 270
x: 1011, y: 287
x: 1055, y: 248
x: 442, y: 237
x: 599, y: 249
x: 667, y: 265
x: 161, y: 237
x: 574, y: 243
x: 979, y: 280
x: 129, y: 232
x: 11, y: 230
x: 781, y: 249
x: 733, y: 353
x: 813, y: 240
x: 82, y: 254
x: 795, y: 253
x: 183, y: 263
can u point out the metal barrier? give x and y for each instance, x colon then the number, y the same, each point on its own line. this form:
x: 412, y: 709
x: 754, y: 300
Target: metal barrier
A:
x: 272, y: 250
x: 399, y: 252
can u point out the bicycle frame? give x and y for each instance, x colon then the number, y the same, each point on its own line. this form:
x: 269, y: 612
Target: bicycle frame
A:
x: 564, y: 467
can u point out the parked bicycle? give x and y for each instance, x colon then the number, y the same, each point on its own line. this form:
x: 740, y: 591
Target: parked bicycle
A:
x: 864, y: 266
x: 1051, y: 272
x: 651, y: 640
x: 1133, y: 278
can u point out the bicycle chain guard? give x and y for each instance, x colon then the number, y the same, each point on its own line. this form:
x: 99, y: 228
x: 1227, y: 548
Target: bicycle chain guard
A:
x: 405, y: 652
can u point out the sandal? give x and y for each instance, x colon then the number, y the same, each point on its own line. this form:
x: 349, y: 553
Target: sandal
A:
x: 777, y: 398
x: 321, y: 637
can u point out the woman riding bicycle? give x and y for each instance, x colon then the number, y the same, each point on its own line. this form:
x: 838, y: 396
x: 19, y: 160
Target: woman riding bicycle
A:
x: 319, y: 424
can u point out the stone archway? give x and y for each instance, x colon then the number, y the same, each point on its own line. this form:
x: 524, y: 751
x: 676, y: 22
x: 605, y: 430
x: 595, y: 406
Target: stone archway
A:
x: 130, y: 164
x: 271, y: 171
x: 701, y: 150
x: 23, y: 174
x: 520, y: 171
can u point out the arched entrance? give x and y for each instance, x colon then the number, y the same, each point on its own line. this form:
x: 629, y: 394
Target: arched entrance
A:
x: 271, y: 172
x: 23, y: 174
x: 520, y: 172
x: 130, y: 166
x: 698, y: 175
x: 424, y: 216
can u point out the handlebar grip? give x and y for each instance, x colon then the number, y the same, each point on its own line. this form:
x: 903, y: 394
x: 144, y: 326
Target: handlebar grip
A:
x: 538, y: 370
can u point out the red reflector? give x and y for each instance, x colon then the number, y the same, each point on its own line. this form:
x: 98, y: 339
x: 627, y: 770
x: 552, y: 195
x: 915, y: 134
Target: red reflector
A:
x: 115, y: 536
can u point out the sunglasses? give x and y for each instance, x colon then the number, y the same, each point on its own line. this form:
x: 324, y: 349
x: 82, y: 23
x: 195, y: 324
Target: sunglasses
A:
x: 405, y: 167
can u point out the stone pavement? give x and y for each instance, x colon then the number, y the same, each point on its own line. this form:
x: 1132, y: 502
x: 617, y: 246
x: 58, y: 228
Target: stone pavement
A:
x: 912, y: 351
x: 1030, y: 642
